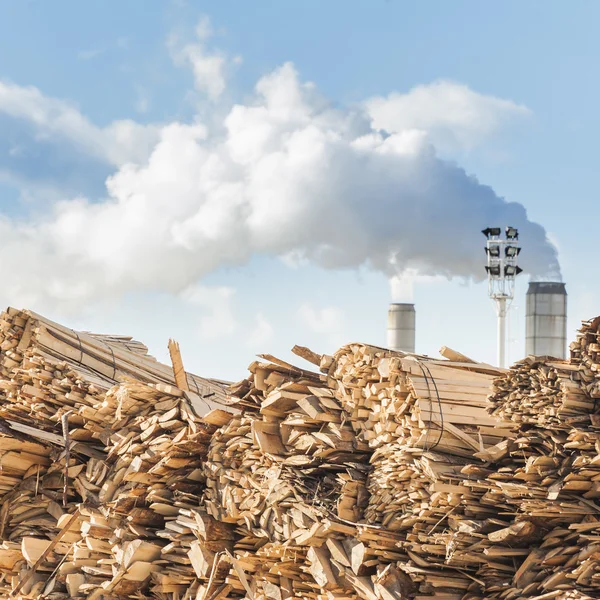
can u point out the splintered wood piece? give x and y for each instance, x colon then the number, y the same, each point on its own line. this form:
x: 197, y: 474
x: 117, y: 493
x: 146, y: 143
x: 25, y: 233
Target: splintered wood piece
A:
x: 308, y: 355
x: 455, y: 356
x: 178, y: 370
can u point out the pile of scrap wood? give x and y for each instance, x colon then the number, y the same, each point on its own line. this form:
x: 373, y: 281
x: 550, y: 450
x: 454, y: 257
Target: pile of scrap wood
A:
x: 354, y: 470
x: 372, y: 474
x: 545, y: 393
x: 547, y: 478
x: 73, y: 440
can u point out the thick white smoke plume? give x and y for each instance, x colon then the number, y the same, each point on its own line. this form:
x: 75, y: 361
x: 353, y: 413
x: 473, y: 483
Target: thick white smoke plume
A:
x: 286, y: 174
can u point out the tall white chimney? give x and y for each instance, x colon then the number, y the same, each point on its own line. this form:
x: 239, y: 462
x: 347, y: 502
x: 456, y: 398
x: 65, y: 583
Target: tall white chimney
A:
x: 401, y: 327
x: 546, y: 319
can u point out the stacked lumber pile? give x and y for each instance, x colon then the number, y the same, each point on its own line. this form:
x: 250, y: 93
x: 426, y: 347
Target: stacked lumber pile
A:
x: 497, y: 507
x: 426, y: 419
x: 291, y: 475
x: 295, y: 451
x: 373, y: 475
x: 358, y: 462
x: 415, y: 401
x: 71, y: 439
x: 51, y: 372
x: 137, y: 516
x: 144, y: 497
x: 29, y: 340
x: 146, y: 519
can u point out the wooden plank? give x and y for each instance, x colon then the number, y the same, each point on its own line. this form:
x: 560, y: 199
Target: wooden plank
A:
x: 178, y: 369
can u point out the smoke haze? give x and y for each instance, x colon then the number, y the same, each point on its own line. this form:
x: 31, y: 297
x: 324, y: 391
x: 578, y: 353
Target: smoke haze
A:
x: 285, y: 174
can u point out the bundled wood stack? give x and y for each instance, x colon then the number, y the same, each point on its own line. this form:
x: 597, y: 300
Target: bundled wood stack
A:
x: 415, y: 401
x: 314, y: 469
x: 139, y: 527
x: 292, y: 474
x: 161, y: 506
x: 426, y: 419
x: 585, y: 350
x: 50, y: 369
x: 549, y: 542
x: 148, y: 531
x: 585, y: 354
x: 272, y: 470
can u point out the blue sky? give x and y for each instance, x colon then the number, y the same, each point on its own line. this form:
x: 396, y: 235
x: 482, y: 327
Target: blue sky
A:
x: 525, y: 72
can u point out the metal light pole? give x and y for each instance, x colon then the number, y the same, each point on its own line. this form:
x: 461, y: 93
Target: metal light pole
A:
x: 501, y: 309
x: 510, y: 339
x: 502, y: 269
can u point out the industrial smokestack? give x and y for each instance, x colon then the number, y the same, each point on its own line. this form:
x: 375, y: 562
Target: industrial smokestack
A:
x: 401, y: 327
x: 546, y: 319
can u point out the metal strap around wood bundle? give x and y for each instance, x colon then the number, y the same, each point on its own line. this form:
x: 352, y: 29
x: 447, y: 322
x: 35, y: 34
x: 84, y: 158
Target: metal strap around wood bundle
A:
x: 439, y: 400
x: 80, y: 345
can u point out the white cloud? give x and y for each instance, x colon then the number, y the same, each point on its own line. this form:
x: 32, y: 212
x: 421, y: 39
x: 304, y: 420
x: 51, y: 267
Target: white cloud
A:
x: 118, y: 143
x: 261, y: 333
x: 209, y: 67
x: 452, y: 114
x: 142, y: 103
x: 216, y: 317
x: 90, y: 54
x: 327, y: 320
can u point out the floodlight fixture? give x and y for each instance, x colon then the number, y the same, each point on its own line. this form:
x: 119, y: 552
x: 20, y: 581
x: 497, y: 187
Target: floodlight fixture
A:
x: 512, y: 233
x: 491, y: 232
x: 512, y: 251
x: 512, y: 270
x: 493, y: 270
x: 493, y: 251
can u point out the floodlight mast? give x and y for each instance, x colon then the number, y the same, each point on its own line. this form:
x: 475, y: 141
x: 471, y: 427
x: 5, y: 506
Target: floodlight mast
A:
x: 502, y: 269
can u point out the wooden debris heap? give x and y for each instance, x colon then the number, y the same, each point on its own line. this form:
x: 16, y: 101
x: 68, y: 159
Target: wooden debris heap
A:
x: 544, y: 392
x: 426, y: 419
x: 356, y: 463
x: 377, y: 475
x: 73, y: 442
x: 546, y: 478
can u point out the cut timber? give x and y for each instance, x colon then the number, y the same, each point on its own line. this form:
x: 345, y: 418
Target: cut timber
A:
x: 33, y: 548
x: 178, y: 370
x: 455, y: 356
x: 321, y: 568
x: 308, y: 355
